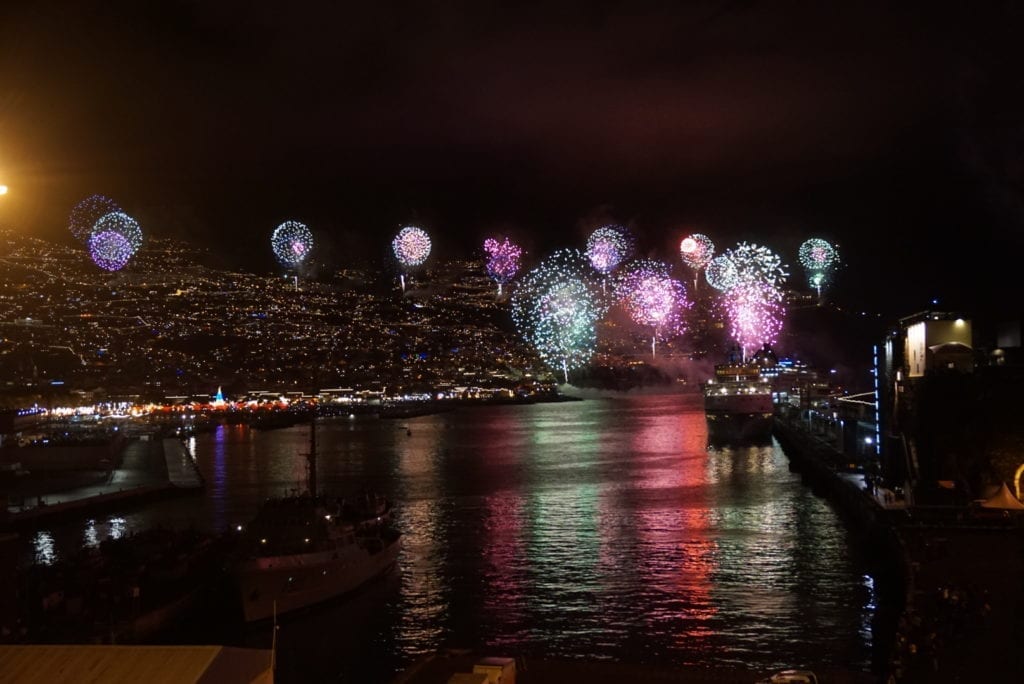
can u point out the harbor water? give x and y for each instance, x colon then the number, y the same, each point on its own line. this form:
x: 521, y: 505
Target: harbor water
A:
x: 603, y: 530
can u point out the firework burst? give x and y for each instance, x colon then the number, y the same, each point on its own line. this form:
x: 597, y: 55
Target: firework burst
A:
x: 503, y: 260
x: 110, y: 250
x: 721, y: 273
x: 86, y: 213
x: 607, y: 247
x: 121, y: 223
x: 817, y: 257
x: 556, y: 307
x: 411, y: 247
x: 816, y: 254
x: 757, y: 264
x: 292, y: 242
x: 755, y: 314
x: 697, y: 250
x: 652, y: 298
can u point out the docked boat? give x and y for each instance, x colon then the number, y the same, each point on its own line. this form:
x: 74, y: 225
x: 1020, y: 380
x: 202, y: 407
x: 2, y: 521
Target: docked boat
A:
x: 305, y: 549
x: 738, y: 403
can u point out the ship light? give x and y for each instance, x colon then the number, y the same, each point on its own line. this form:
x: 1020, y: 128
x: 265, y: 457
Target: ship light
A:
x: 239, y: 528
x: 263, y: 541
x: 327, y: 517
x: 307, y: 540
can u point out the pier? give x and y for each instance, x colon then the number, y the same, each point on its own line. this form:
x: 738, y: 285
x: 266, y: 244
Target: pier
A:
x: 960, y: 569
x: 147, y: 470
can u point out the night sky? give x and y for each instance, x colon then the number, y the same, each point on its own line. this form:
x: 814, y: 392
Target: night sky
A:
x: 895, y: 130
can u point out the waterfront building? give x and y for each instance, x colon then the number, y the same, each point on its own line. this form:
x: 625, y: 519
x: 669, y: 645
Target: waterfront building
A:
x: 947, y: 408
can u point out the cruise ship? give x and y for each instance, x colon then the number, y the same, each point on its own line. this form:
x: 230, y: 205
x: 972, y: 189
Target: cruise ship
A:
x: 738, y: 403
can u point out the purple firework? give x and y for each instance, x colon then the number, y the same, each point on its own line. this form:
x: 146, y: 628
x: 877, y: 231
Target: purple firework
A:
x: 653, y: 298
x: 110, y: 250
x: 503, y: 260
x: 607, y: 247
x: 85, y: 214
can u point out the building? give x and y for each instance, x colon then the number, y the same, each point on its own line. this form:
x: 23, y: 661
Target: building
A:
x: 949, y: 407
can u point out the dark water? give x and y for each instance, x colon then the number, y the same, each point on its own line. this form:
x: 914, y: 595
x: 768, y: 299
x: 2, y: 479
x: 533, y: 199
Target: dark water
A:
x: 604, y: 529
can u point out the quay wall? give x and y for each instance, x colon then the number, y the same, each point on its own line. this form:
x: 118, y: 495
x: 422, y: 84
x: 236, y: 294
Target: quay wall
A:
x: 49, y: 458
x: 876, y: 529
x: 816, y: 462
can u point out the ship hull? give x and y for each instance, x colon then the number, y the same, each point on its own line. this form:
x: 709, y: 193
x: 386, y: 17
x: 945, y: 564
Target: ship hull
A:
x: 739, y: 417
x: 740, y: 427
x: 281, y: 584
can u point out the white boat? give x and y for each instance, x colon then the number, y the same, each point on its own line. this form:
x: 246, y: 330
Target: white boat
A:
x: 738, y: 403
x: 305, y: 549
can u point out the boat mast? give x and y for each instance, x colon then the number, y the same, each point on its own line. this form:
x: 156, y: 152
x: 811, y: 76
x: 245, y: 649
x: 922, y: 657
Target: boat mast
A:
x: 311, y: 456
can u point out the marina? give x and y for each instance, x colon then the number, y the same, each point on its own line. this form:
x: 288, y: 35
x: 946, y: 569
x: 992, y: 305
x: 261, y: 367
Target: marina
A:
x: 552, y: 530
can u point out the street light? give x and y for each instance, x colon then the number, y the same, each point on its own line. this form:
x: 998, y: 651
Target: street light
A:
x: 3, y: 189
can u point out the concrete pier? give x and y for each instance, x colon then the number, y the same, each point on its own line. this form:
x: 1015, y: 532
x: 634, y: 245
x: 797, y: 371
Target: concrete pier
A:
x: 148, y: 470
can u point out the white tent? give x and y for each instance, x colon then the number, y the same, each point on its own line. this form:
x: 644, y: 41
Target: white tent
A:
x: 1004, y: 498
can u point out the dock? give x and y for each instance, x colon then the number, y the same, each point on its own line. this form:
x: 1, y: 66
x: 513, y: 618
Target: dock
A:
x: 961, y: 570
x: 148, y: 470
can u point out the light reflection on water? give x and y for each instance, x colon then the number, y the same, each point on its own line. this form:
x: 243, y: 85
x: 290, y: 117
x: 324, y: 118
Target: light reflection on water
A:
x: 603, y: 529
x: 45, y: 550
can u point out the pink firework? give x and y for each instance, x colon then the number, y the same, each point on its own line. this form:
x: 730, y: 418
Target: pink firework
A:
x: 110, y: 250
x: 755, y: 314
x: 411, y: 247
x: 503, y: 260
x: 653, y: 299
x: 697, y: 250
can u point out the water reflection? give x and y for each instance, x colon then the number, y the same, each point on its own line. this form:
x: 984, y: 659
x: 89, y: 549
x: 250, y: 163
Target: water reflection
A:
x: 419, y: 458
x: 45, y: 550
x: 92, y: 539
x: 219, y: 483
x: 118, y: 528
x: 679, y: 557
x: 602, y: 529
